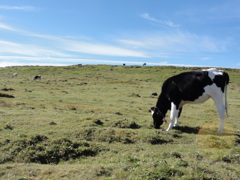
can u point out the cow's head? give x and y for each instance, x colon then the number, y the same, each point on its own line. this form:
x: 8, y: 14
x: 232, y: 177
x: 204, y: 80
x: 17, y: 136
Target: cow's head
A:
x: 158, y: 117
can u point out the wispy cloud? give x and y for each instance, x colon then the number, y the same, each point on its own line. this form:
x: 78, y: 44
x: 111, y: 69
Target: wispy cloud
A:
x: 159, y: 45
x: 24, y: 8
x: 204, y: 58
x: 63, y: 46
x: 99, y: 49
x: 167, y: 23
x: 23, y: 61
x: 175, y: 42
x: 6, y: 27
x: 28, y: 50
x: 86, y: 45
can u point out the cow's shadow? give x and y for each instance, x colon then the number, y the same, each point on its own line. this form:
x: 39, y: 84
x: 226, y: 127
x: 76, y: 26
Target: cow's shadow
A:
x: 204, y: 131
x: 186, y: 129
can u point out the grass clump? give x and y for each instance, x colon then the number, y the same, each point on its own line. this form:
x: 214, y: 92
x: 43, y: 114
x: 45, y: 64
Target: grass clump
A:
x: 158, y: 138
x: 126, y: 124
x: 40, y: 149
x: 107, y: 135
x: 233, y: 157
x: 103, y: 171
x: 161, y: 170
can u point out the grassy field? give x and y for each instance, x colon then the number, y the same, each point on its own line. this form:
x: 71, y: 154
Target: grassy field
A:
x: 92, y: 122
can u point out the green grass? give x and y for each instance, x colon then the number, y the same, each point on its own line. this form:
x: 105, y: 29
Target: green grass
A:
x: 92, y: 122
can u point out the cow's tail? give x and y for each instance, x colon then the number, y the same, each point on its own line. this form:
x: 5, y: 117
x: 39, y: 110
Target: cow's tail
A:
x: 226, y: 77
x: 226, y: 101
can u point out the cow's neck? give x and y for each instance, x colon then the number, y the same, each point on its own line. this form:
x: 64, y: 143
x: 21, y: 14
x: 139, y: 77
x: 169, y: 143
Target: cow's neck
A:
x: 163, y: 104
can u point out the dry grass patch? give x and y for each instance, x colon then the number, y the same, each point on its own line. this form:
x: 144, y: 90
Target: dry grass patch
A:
x: 209, y: 138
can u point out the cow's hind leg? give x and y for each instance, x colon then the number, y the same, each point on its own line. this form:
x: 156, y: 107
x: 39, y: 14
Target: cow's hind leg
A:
x: 218, y: 99
x: 173, y: 116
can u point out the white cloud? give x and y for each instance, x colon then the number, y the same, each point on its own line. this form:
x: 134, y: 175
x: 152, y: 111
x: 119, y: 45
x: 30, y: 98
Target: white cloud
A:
x: 25, y: 8
x: 83, y: 45
x: 205, y: 58
x: 43, y: 61
x: 170, y: 43
x: 6, y: 27
x: 67, y: 44
x: 133, y: 43
x: 28, y: 50
x: 16, y: 63
x: 167, y: 23
x: 148, y: 17
x: 171, y: 24
x: 99, y: 49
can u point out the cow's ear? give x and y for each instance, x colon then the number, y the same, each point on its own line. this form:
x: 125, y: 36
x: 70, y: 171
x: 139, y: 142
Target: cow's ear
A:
x: 153, y: 108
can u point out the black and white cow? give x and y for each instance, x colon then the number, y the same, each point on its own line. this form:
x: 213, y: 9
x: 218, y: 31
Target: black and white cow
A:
x: 191, y: 87
x: 37, y: 77
x: 14, y: 75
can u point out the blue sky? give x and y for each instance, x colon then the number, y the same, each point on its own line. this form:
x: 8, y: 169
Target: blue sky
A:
x: 156, y: 32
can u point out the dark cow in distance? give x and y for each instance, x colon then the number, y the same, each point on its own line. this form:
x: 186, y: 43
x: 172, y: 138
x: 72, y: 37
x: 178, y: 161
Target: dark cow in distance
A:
x: 191, y: 87
x: 37, y: 77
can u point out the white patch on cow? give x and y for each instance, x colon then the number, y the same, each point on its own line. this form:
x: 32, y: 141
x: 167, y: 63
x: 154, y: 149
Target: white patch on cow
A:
x: 212, y: 72
x: 152, y: 112
x: 173, y: 116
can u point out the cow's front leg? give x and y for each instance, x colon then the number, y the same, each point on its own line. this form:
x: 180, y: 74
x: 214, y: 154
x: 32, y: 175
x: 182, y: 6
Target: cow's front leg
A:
x: 177, y: 117
x: 176, y: 122
x: 173, y: 116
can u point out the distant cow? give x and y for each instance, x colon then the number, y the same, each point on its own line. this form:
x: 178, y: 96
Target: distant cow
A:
x: 144, y: 64
x: 191, y: 87
x: 14, y: 75
x: 37, y: 77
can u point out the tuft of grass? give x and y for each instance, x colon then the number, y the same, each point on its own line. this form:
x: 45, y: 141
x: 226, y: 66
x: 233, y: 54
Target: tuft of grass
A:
x: 158, y: 138
x: 9, y: 127
x: 39, y: 149
x: 126, y: 124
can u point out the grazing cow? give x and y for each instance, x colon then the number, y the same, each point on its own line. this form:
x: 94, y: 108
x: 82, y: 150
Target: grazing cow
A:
x: 191, y: 87
x: 14, y: 75
x: 154, y: 94
x: 37, y: 77
x: 144, y: 64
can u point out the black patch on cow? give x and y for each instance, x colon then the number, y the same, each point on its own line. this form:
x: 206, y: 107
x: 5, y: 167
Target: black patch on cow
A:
x: 187, y: 86
x: 221, y: 80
